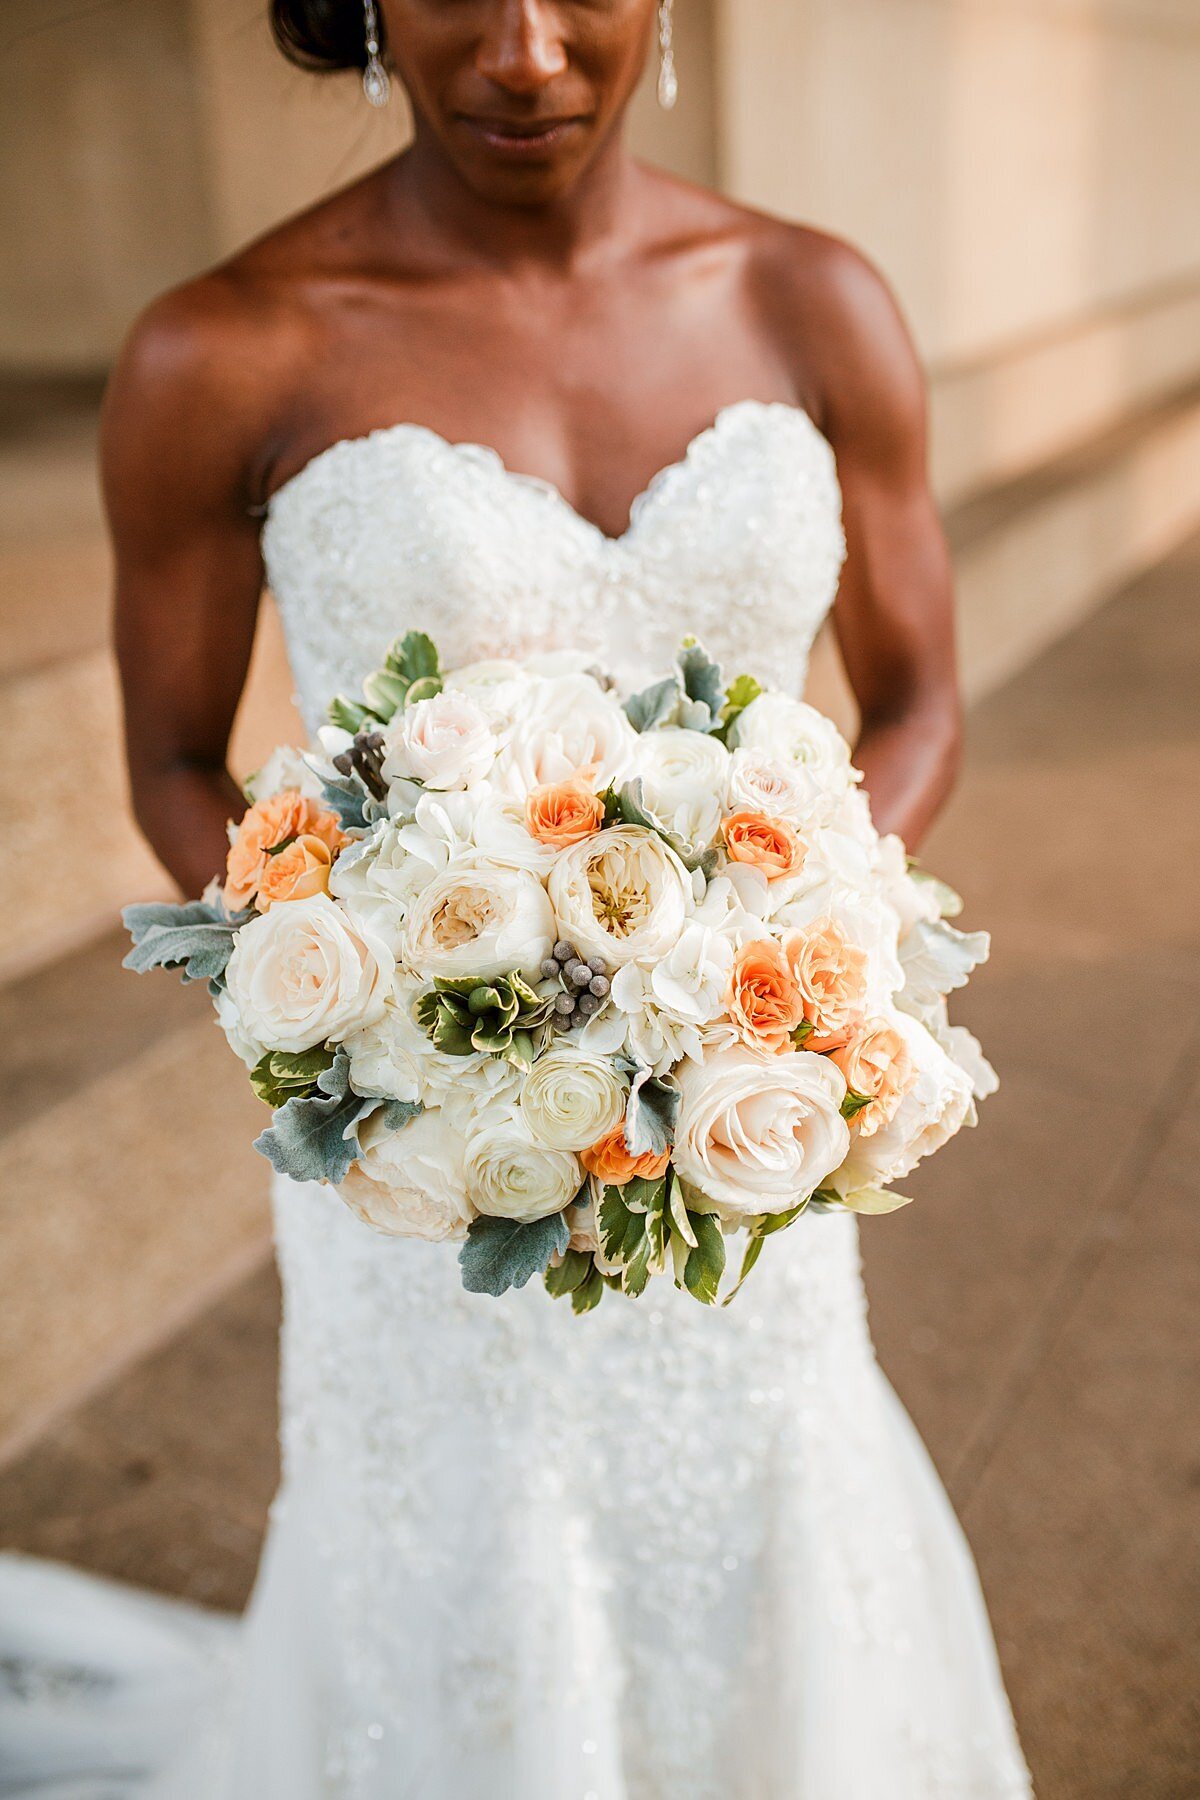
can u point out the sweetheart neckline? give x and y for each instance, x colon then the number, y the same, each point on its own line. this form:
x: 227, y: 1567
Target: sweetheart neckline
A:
x: 538, y: 483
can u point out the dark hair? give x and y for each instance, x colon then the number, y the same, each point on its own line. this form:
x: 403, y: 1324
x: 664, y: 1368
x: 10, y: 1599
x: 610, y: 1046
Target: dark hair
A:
x: 324, y: 35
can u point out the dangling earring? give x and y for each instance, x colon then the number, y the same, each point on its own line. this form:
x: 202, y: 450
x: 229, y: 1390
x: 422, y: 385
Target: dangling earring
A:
x: 376, y: 82
x: 668, y: 86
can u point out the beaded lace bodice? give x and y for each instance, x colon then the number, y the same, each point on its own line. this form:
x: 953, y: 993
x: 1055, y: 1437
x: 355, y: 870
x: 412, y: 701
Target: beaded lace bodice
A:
x: 740, y: 542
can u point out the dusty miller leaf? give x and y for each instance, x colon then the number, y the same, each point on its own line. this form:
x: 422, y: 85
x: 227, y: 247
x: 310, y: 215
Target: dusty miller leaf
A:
x: 196, y: 937
x: 503, y: 1253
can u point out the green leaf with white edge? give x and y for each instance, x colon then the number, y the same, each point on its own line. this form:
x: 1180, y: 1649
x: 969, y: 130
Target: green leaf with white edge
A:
x: 565, y: 1276
x: 282, y: 1075
x: 414, y: 657
x: 196, y: 938
x: 643, y: 1196
x: 677, y: 1212
x: 766, y: 1224
x: 424, y: 689
x: 348, y: 715
x: 750, y: 1256
x: 949, y: 903
x: 854, y: 1103
x: 504, y: 1253
x: 589, y: 1293
x: 385, y: 693
x: 651, y: 1115
x: 654, y: 705
x: 874, y: 1201
x: 648, y: 1255
x: 706, y: 1263
x: 702, y: 685
x: 621, y: 1229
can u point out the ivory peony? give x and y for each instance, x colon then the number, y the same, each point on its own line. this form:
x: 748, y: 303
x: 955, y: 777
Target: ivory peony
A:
x: 409, y: 1183
x: 479, y: 920
x: 623, y: 895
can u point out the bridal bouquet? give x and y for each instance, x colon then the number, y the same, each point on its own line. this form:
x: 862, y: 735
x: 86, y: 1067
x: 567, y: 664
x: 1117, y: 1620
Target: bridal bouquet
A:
x: 596, y: 986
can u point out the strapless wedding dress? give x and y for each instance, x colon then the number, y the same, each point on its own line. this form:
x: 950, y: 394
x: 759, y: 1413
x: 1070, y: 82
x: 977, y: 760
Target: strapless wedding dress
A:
x: 660, y: 1552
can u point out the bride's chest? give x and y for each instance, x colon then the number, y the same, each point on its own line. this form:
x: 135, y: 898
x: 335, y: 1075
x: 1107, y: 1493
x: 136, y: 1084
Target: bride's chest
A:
x: 739, y: 542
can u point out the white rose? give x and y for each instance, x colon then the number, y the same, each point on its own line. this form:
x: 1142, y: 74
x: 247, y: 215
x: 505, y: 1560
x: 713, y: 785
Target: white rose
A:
x: 571, y: 1098
x: 937, y: 1104
x: 623, y: 895
x: 760, y: 782
x: 512, y: 1177
x: 306, y: 974
x: 565, y: 726
x: 444, y: 742
x: 758, y: 1133
x: 683, y: 776
x: 478, y: 919
x: 804, y: 740
x: 692, y: 980
x: 409, y: 1183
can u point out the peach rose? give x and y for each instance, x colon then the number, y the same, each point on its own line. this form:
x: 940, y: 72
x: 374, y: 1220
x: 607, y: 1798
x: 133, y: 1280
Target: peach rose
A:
x: 610, y: 1161
x: 831, y: 974
x: 563, y: 813
x: 764, y: 1000
x: 876, y: 1062
x: 267, y: 823
x: 768, y: 844
x: 296, y: 873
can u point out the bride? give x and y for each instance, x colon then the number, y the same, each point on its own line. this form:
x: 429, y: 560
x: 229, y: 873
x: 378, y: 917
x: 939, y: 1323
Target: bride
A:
x: 522, y: 391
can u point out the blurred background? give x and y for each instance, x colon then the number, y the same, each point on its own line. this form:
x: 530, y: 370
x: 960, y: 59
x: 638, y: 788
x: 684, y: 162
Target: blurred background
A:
x: 1027, y: 174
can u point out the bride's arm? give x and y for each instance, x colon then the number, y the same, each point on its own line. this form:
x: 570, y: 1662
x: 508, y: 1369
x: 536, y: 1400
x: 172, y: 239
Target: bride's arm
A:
x: 175, y: 460
x: 894, y: 614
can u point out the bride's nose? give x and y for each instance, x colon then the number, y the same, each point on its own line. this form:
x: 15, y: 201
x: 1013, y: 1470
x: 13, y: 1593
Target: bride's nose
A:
x: 521, y: 48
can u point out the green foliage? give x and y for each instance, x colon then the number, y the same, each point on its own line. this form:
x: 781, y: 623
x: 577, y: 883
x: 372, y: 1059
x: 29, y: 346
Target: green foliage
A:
x: 315, y: 1137
x: 410, y: 672
x: 802, y: 1033
x: 854, y: 1103
x: 654, y: 705
x: 873, y: 1201
x: 500, y: 1017
x: 281, y: 1075
x: 633, y: 1231
x: 705, y: 1264
x: 196, y: 938
x: 702, y: 686
x: 651, y: 1117
x: 741, y: 691
x: 348, y: 715
x: 590, y: 1291
x: 564, y: 1277
x: 503, y: 1253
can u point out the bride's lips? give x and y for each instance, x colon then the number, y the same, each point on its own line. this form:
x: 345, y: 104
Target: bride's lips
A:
x: 520, y: 140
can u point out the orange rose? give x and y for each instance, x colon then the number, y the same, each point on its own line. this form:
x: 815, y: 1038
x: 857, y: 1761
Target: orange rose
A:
x: 266, y: 824
x: 609, y: 1159
x: 563, y: 812
x: 767, y: 844
x: 764, y: 1000
x: 831, y: 974
x: 875, y: 1062
x: 297, y: 873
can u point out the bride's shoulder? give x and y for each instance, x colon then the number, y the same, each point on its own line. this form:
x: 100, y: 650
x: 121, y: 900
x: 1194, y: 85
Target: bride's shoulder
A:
x: 209, y: 369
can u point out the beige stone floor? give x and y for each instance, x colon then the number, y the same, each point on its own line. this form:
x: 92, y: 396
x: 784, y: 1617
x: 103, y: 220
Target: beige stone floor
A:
x: 1036, y: 1310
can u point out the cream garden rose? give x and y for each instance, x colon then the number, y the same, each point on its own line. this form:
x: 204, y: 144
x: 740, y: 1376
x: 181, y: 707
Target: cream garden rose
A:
x: 622, y: 895
x: 758, y: 1133
x: 806, y: 742
x: 306, y: 974
x: 563, y: 727
x: 571, y: 1098
x: 479, y: 920
x: 511, y: 1176
x: 410, y: 1183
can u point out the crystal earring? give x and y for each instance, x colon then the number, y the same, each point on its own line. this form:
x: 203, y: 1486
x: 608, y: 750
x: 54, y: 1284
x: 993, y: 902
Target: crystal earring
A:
x: 376, y: 82
x: 668, y: 85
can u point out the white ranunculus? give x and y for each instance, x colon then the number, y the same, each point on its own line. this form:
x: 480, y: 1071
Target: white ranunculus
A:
x: 443, y: 742
x: 691, y: 981
x: 796, y: 734
x: 478, y: 919
x: 510, y: 1176
x: 561, y: 727
x: 410, y: 1183
x: 936, y: 1105
x: 306, y: 974
x: 758, y: 1133
x: 571, y: 1098
x: 622, y: 895
x: 683, y: 777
